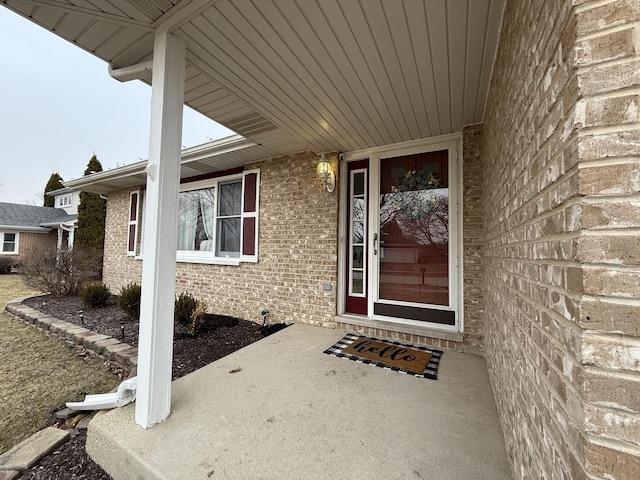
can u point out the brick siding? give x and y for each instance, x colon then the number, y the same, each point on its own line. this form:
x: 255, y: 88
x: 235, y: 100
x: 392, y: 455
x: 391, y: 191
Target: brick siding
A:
x: 297, y: 251
x: 30, y: 242
x: 561, y: 250
x: 472, y: 233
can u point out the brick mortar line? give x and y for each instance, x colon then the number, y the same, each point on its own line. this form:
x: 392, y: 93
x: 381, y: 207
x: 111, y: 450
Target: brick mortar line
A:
x: 80, y: 341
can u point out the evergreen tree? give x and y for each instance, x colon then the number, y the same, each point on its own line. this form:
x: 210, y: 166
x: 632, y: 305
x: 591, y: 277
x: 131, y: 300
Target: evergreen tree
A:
x: 91, y: 215
x: 54, y: 183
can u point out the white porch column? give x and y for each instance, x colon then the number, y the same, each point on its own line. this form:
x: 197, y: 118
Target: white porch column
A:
x: 60, y: 234
x: 155, y: 346
x: 71, y: 238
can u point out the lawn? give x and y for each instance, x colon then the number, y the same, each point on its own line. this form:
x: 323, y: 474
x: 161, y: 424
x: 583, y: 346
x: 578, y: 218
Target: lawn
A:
x: 38, y: 372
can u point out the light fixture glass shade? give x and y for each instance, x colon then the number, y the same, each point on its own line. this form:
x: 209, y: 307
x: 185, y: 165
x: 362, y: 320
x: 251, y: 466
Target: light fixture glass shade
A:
x: 327, y: 175
x: 324, y: 167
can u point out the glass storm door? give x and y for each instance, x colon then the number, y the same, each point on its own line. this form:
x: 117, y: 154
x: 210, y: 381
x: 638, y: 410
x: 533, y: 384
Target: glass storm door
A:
x: 411, y: 239
x: 357, y: 242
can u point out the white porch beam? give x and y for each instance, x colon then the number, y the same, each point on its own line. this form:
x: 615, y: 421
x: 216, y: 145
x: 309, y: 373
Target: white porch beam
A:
x: 155, y: 346
x: 181, y: 14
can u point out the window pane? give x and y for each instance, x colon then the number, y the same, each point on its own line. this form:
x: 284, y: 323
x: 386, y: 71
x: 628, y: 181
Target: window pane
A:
x: 204, y: 231
x: 187, y: 220
x: 358, y: 232
x: 230, y: 199
x: 414, y: 227
x: 195, y: 219
x: 229, y: 236
x: 358, y: 183
x: 358, y: 208
x: 356, y: 281
x: 9, y: 243
x: 357, y: 257
x: 134, y: 207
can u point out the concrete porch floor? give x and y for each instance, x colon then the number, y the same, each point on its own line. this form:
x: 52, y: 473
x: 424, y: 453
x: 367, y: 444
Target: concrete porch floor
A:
x: 293, y: 412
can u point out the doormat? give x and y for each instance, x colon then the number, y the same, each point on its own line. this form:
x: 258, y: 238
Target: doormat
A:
x: 395, y: 356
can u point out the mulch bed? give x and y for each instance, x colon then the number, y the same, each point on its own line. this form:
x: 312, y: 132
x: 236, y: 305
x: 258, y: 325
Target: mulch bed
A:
x: 220, y: 336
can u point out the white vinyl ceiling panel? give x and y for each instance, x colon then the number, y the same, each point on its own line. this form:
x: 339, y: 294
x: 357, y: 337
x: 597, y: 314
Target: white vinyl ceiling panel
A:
x: 298, y: 75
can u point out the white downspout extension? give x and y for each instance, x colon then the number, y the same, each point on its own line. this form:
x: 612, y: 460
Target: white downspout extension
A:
x: 155, y: 346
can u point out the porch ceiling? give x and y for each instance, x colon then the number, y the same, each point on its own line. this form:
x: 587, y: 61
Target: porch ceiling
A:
x: 294, y: 75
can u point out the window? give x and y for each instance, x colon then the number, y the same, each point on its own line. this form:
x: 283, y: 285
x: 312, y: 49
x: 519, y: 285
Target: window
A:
x: 9, y: 243
x: 63, y: 200
x: 217, y: 220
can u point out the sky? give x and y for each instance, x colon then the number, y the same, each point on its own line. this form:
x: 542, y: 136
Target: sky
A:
x: 59, y: 106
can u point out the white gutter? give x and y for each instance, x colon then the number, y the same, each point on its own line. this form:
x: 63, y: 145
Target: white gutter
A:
x: 119, y: 172
x: 139, y: 71
x: 191, y: 154
x: 18, y: 228
x: 215, y: 148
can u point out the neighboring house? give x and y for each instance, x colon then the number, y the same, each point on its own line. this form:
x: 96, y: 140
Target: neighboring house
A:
x: 524, y: 249
x: 26, y: 229
x: 67, y: 199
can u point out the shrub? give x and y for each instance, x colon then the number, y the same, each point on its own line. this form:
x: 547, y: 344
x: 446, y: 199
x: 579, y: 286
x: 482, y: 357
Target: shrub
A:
x: 129, y: 300
x: 189, y: 313
x: 94, y: 294
x: 61, y: 272
x: 6, y: 264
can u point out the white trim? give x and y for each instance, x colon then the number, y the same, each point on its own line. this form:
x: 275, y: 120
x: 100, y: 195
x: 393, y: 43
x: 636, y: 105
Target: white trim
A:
x: 365, y: 247
x: 14, y: 228
x: 16, y: 242
x: 135, y: 223
x: 342, y: 228
x: 417, y: 145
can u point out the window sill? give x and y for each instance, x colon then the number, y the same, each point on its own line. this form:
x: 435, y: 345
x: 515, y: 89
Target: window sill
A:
x: 211, y: 261
x: 234, y: 262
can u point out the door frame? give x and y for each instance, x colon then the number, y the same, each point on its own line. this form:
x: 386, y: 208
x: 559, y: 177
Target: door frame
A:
x: 453, y: 142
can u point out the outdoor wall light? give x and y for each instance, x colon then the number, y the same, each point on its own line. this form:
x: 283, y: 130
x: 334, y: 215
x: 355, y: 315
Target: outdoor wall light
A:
x: 327, y: 175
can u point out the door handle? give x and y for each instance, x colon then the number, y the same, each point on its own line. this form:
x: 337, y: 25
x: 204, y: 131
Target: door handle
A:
x: 375, y: 241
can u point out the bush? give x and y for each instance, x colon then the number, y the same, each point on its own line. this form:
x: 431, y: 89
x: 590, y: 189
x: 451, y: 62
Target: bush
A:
x: 6, y: 264
x: 94, y: 294
x: 129, y: 300
x: 189, y: 313
x: 61, y: 272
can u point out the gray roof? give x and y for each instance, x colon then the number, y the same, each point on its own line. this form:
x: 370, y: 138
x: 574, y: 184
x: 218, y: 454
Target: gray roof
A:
x: 30, y: 216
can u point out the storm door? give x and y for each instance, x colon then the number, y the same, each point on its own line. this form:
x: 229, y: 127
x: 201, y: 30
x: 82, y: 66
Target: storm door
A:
x: 414, y: 270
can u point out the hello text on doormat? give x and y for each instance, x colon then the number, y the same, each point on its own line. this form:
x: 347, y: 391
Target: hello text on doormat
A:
x: 418, y: 361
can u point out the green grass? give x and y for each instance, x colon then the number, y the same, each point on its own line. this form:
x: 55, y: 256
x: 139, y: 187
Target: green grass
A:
x: 38, y: 372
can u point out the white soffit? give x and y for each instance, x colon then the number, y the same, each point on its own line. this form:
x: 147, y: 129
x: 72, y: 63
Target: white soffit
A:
x: 293, y: 75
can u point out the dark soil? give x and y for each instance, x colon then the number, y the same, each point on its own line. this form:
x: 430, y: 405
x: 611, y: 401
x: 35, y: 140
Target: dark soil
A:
x: 219, y: 336
x: 69, y: 462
